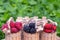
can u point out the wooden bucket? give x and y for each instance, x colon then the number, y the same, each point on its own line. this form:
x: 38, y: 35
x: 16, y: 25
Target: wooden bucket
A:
x: 13, y: 36
x: 48, y: 36
x: 28, y: 36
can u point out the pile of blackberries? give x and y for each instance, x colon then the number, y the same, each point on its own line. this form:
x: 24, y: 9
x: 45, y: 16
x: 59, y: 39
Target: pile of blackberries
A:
x: 30, y: 28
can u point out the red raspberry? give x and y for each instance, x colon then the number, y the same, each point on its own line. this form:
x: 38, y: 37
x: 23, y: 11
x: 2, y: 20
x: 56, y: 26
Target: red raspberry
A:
x: 4, y: 26
x: 54, y: 28
x: 18, y: 25
x: 47, y: 31
x: 48, y: 26
x: 14, y: 30
x: 12, y: 24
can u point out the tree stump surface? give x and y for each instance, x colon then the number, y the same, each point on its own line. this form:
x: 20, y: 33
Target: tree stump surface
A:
x: 58, y: 38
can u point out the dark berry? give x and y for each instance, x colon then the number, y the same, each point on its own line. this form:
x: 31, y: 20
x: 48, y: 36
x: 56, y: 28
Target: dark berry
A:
x: 32, y: 30
x: 32, y: 25
x: 26, y: 28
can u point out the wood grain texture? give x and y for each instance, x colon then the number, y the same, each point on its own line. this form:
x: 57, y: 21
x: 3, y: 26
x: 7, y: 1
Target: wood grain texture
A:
x: 28, y: 36
x: 48, y: 36
x: 13, y: 36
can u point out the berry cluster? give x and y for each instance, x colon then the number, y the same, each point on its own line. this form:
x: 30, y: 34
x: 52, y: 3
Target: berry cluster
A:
x: 15, y: 27
x: 4, y: 26
x: 35, y: 25
x: 49, y: 28
x: 30, y: 28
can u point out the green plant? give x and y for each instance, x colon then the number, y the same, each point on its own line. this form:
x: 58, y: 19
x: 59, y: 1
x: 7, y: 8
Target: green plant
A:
x: 14, y: 8
x: 2, y: 35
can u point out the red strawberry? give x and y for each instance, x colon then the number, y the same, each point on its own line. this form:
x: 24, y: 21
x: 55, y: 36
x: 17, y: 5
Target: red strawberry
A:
x: 47, y: 31
x: 4, y: 26
x: 18, y: 25
x: 12, y: 24
x: 14, y: 30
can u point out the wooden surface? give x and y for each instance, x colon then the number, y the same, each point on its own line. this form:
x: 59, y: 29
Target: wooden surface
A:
x: 28, y: 36
x: 13, y: 36
x: 58, y: 38
x: 48, y: 36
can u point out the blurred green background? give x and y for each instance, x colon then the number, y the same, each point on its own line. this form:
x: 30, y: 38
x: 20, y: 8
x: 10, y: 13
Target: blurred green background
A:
x: 15, y: 8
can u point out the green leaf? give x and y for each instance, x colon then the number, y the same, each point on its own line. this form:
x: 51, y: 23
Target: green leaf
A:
x: 2, y: 10
x: 32, y: 2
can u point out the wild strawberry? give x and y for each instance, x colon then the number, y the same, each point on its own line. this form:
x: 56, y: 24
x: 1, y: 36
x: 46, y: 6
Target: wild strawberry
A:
x: 14, y: 30
x: 18, y: 25
x: 12, y: 24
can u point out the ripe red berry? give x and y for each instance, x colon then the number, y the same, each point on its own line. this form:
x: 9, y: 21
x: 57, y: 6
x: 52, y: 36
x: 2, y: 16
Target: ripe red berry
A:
x: 18, y: 25
x: 47, y: 31
x: 14, y: 30
x: 12, y: 24
x: 48, y: 26
x: 54, y: 28
x: 4, y: 26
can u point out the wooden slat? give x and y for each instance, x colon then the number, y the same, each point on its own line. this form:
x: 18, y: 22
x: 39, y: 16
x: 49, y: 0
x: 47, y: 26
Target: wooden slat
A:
x: 28, y: 36
x: 13, y: 36
x: 48, y: 36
